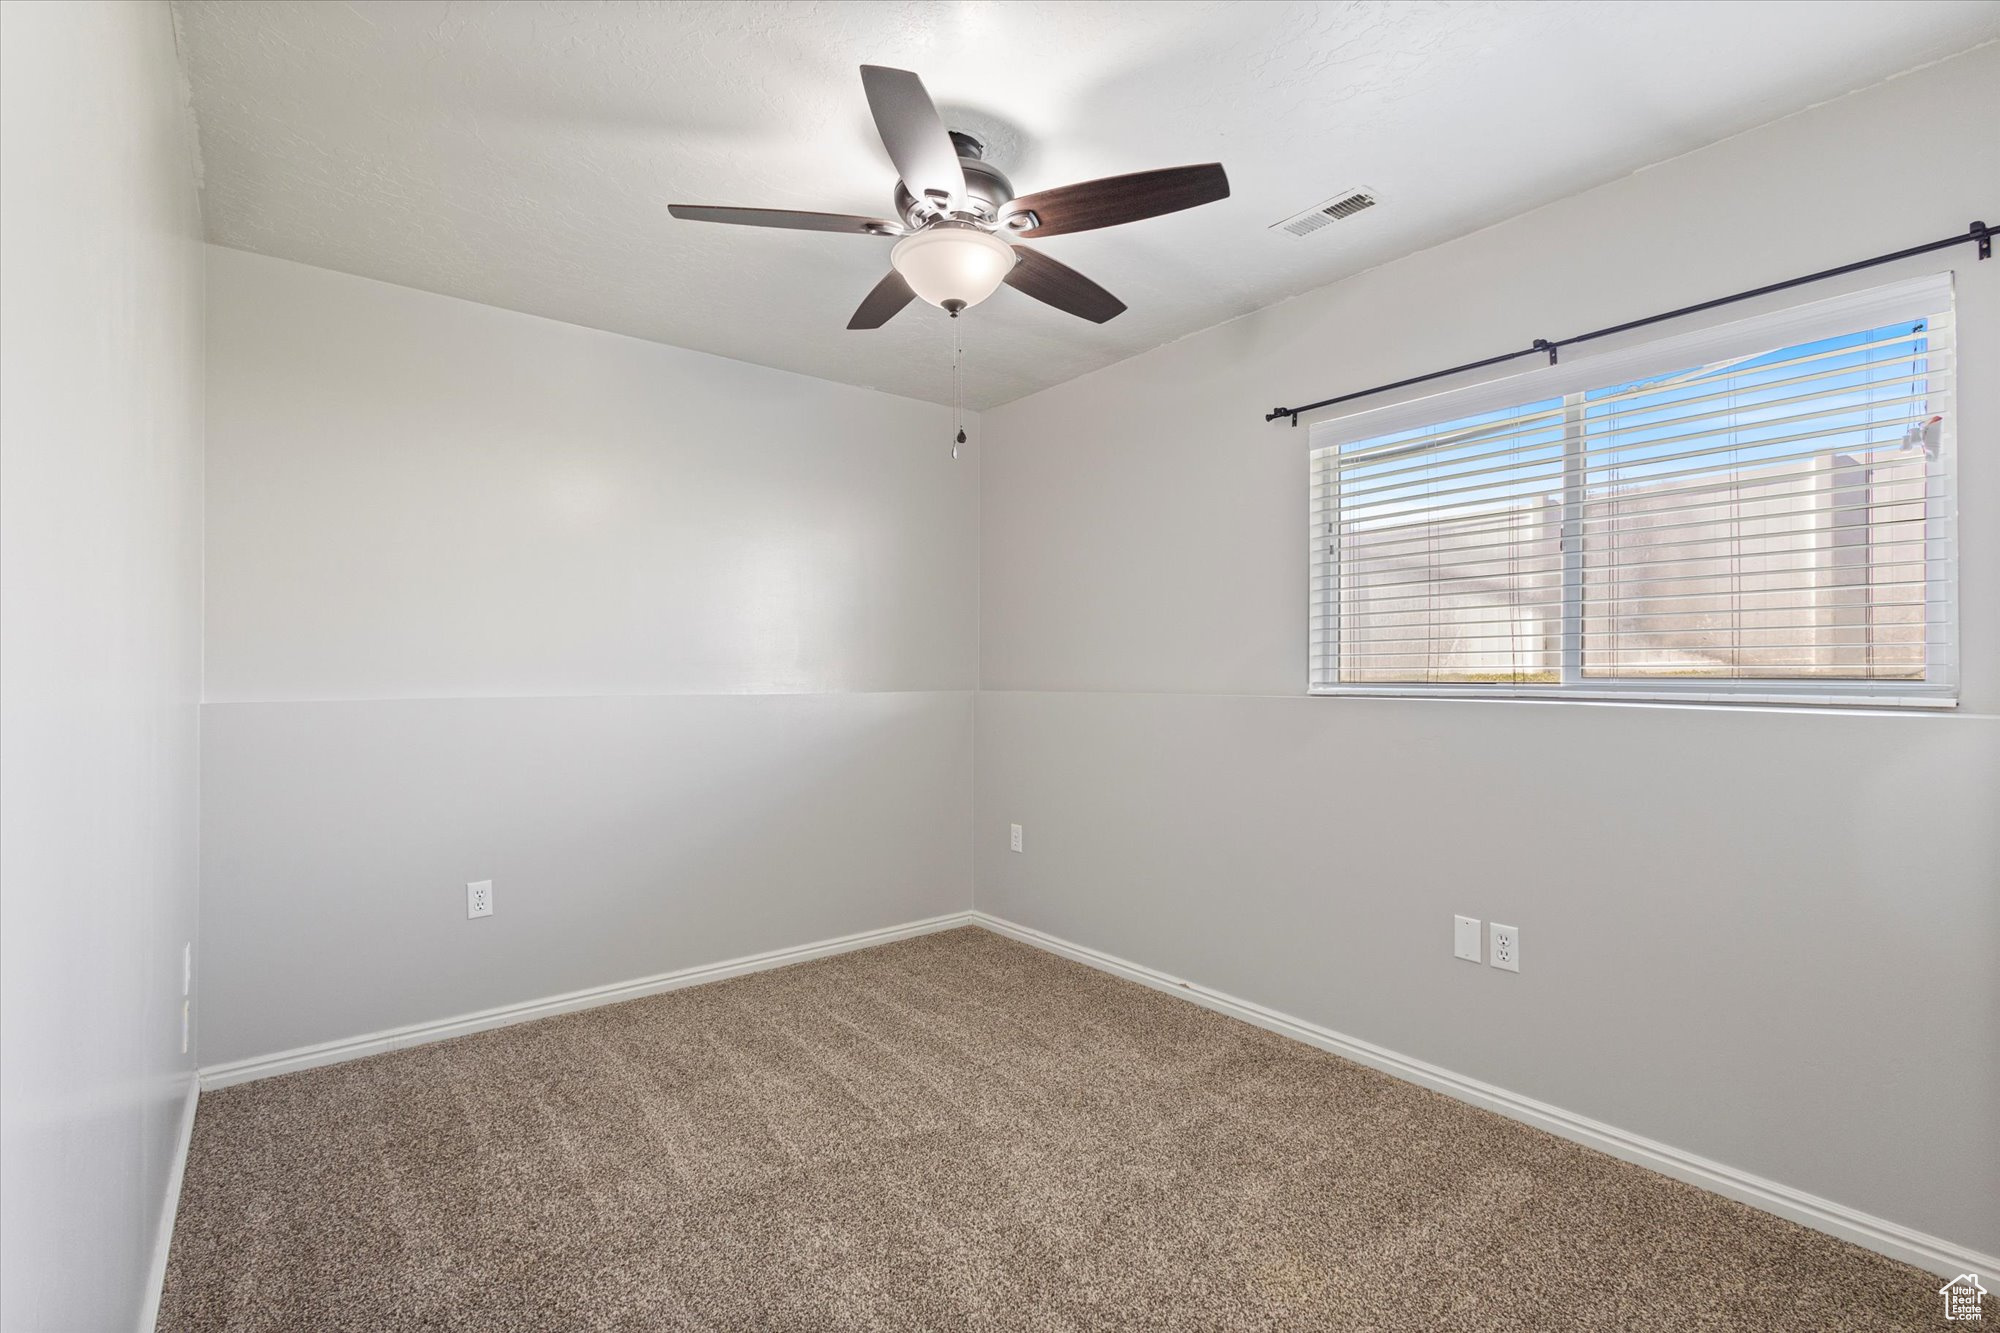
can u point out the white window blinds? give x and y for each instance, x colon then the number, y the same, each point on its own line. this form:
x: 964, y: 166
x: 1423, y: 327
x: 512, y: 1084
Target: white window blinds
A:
x: 1772, y: 521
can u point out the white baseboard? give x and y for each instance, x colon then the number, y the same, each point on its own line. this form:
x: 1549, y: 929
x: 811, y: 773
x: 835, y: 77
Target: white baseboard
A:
x: 1849, y: 1224
x: 417, y: 1034
x: 163, y: 1236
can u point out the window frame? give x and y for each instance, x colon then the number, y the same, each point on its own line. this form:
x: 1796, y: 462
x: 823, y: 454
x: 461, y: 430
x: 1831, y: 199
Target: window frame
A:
x: 1929, y: 297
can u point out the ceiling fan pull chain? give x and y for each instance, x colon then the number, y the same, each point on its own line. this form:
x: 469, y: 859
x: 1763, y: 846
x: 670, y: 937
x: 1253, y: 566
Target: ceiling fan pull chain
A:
x: 957, y: 399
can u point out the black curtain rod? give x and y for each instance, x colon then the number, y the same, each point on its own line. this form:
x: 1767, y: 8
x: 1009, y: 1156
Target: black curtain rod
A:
x: 1979, y: 232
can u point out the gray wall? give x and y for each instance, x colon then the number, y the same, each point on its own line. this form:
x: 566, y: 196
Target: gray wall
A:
x: 1760, y: 936
x: 100, y: 612
x: 678, y: 651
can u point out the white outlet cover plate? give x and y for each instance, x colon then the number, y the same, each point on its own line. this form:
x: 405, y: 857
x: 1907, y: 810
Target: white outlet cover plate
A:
x: 1506, y: 948
x: 479, y: 898
x: 1465, y: 938
x: 1014, y: 836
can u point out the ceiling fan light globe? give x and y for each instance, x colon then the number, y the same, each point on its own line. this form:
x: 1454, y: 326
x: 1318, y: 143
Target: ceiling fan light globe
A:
x: 953, y: 264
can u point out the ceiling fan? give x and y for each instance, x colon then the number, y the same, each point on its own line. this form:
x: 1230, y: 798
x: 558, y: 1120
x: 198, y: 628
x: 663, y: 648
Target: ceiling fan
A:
x: 959, y: 215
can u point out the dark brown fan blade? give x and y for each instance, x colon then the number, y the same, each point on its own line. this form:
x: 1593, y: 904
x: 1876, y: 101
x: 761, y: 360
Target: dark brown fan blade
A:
x: 782, y: 217
x: 907, y: 120
x: 880, y: 306
x: 1061, y: 286
x: 1115, y: 199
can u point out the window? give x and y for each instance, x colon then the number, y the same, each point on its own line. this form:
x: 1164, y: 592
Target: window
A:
x: 1759, y: 512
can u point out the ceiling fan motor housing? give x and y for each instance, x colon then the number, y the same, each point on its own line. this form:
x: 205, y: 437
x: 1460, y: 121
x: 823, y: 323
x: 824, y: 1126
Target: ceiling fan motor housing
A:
x: 986, y: 188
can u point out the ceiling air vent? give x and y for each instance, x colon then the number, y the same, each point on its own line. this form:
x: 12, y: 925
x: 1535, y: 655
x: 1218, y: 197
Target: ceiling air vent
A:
x: 1337, y: 209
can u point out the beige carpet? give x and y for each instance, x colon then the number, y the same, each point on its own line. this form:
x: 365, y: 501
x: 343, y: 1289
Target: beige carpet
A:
x: 953, y: 1132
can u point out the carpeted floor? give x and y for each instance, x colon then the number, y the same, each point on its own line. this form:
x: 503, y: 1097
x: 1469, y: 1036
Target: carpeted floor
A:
x: 952, y: 1132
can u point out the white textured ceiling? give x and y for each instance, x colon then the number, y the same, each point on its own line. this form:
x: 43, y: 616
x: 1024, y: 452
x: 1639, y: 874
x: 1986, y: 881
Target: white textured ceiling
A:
x: 523, y: 154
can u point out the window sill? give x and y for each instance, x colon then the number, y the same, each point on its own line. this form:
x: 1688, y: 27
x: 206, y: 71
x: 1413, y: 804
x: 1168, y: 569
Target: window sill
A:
x: 1703, y: 698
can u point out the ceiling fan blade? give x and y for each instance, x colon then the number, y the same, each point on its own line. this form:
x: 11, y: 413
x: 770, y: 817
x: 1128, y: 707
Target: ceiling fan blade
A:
x: 1114, y: 199
x: 880, y: 305
x: 1061, y: 286
x: 907, y: 120
x: 782, y: 217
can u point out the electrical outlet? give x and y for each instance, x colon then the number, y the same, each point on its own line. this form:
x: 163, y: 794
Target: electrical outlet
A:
x: 479, y: 898
x: 1465, y: 938
x: 187, y: 968
x: 1506, y: 948
x: 1014, y: 837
